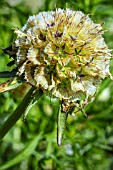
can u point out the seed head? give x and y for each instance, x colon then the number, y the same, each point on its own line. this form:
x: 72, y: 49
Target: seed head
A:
x: 63, y: 53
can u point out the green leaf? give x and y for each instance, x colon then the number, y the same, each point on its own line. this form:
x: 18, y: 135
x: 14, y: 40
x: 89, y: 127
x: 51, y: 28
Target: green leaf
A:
x: 10, y: 84
x: 62, y: 116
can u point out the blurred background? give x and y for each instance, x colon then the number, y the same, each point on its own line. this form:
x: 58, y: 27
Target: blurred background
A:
x: 31, y: 143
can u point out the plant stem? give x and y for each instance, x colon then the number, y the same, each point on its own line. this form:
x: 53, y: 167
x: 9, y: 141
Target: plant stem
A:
x: 7, y: 74
x: 32, y: 95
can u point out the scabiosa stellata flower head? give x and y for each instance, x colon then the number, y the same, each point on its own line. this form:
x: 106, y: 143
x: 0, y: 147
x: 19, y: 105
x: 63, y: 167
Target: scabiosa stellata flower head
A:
x: 63, y: 52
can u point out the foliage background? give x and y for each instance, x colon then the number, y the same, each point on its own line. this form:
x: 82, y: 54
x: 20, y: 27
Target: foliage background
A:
x: 31, y: 143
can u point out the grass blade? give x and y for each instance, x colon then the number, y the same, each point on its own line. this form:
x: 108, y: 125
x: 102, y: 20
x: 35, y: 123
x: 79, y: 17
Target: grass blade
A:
x: 24, y: 154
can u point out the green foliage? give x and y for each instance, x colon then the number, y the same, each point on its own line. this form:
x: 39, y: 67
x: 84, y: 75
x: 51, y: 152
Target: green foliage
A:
x: 31, y: 143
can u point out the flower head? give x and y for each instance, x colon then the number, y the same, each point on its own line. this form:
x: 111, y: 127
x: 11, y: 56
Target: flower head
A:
x: 63, y: 53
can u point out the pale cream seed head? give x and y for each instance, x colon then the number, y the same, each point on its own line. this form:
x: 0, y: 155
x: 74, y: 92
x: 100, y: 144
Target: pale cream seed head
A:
x: 63, y: 52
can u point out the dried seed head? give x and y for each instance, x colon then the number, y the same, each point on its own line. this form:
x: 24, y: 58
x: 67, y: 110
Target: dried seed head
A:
x: 63, y: 52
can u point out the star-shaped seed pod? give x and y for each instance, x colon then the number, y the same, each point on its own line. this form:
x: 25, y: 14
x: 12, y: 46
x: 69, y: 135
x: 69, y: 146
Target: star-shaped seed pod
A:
x: 62, y: 53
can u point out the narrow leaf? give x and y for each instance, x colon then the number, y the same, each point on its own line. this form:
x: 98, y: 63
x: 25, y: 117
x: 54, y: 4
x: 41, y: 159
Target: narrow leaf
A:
x: 61, y: 125
x: 10, y: 84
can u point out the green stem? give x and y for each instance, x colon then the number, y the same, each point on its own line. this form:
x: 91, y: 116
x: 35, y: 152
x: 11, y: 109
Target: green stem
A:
x: 7, y: 74
x: 32, y: 95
